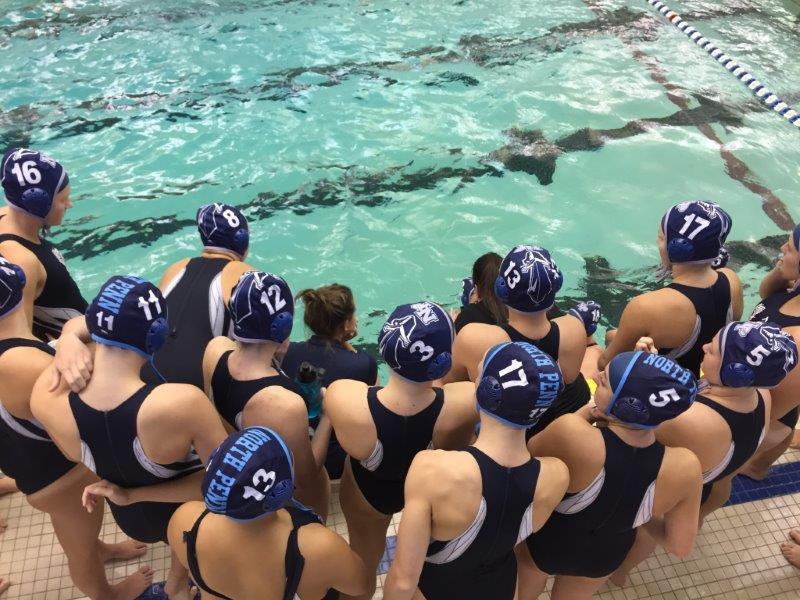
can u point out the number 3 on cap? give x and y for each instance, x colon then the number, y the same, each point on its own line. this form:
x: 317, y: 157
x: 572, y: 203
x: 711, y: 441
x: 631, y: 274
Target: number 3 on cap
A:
x: 513, y: 280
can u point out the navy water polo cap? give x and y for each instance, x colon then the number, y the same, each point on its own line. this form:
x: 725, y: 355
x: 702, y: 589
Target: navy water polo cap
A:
x: 648, y: 389
x: 262, y: 308
x: 249, y: 475
x: 517, y: 384
x: 31, y: 180
x: 417, y: 340
x: 528, y: 279
x: 467, y: 285
x: 12, y: 282
x: 695, y: 231
x: 129, y: 313
x: 223, y: 227
x: 755, y: 354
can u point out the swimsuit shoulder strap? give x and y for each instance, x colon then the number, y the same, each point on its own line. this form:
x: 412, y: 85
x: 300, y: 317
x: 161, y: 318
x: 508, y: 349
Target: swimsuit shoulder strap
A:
x: 190, y: 539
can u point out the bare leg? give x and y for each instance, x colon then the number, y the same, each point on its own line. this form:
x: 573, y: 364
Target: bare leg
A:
x: 589, y: 364
x: 720, y: 492
x: 795, y: 445
x: 77, y: 531
x: 642, y: 548
x: 366, y: 527
x: 177, y: 584
x: 771, y: 449
x: 575, y: 588
x: 8, y: 486
x: 530, y: 580
x: 4, y: 584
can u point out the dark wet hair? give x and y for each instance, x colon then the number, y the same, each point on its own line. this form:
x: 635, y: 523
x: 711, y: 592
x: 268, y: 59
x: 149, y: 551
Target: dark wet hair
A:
x: 484, y: 272
x: 327, y: 308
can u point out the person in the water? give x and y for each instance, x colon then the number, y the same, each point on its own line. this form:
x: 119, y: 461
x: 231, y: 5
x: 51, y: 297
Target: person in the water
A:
x: 37, y: 190
x: 527, y: 283
x: 198, y: 293
x: 250, y: 539
x: 686, y: 314
x: 148, y: 443
x: 621, y: 478
x: 465, y: 511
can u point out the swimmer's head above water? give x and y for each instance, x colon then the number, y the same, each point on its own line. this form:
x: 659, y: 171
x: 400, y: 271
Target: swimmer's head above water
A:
x: 517, y: 384
x: 250, y: 475
x: 749, y: 354
x: 643, y: 390
x: 35, y: 184
x: 223, y: 227
x: 417, y: 341
x: 262, y: 308
x: 12, y: 282
x: 528, y: 280
x: 693, y: 232
x: 129, y: 313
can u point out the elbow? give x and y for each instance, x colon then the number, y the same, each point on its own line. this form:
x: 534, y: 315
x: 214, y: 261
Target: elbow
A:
x: 400, y: 586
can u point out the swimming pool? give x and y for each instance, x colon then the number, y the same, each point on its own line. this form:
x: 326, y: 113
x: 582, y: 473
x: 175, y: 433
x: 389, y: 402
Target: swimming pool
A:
x: 385, y: 145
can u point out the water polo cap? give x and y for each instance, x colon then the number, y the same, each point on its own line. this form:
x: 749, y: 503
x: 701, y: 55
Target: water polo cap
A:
x: 648, y: 389
x: 249, y: 475
x: 417, y: 340
x: 517, y: 384
x: 12, y: 282
x: 129, y: 313
x: 695, y: 231
x: 528, y: 279
x: 755, y: 354
x: 262, y: 308
x: 31, y: 180
x: 223, y: 227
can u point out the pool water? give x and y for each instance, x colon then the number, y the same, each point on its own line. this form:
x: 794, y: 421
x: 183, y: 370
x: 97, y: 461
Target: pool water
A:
x: 385, y: 144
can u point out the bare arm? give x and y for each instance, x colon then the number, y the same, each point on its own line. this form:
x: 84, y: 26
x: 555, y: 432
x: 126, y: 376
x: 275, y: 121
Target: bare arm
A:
x: 554, y: 480
x: 184, y: 489
x: 74, y: 361
x: 737, y: 295
x: 677, y: 530
x: 632, y: 326
x: 413, y: 535
x: 321, y: 441
x: 573, y: 346
x: 772, y: 283
x: 344, y: 569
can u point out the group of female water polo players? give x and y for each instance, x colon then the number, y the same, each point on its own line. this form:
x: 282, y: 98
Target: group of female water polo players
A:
x: 515, y: 446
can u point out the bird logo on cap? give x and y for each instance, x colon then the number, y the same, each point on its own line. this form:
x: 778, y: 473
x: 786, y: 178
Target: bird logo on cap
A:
x: 425, y: 312
x: 537, y: 290
x: 403, y: 327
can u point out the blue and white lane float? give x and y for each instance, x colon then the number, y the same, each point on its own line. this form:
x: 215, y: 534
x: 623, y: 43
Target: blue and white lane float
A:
x: 759, y: 89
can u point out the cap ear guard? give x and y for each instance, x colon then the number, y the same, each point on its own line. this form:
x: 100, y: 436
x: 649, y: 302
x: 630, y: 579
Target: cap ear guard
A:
x: 631, y: 410
x: 157, y: 335
x: 440, y: 365
x: 490, y: 393
x: 241, y: 239
x: 281, y: 327
x: 501, y: 288
x: 737, y: 375
x: 680, y: 249
x: 37, y: 201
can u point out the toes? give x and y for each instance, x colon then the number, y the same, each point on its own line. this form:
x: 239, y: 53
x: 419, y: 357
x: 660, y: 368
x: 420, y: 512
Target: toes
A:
x: 794, y: 534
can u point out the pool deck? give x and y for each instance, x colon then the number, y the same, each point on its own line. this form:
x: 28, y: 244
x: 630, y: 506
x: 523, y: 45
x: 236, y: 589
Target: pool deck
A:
x: 737, y: 554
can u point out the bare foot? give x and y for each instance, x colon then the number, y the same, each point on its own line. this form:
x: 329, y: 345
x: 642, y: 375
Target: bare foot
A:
x: 3, y: 524
x: 8, y: 486
x: 754, y: 473
x: 132, y: 586
x: 122, y: 551
x: 795, y: 443
x: 4, y: 584
x: 794, y: 534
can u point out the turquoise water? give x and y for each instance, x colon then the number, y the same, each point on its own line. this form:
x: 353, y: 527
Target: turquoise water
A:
x: 385, y: 145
